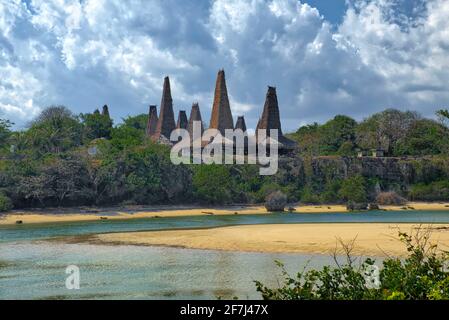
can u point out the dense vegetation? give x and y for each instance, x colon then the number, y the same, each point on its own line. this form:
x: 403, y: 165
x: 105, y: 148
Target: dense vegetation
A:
x: 62, y: 159
x: 397, y: 133
x: 422, y: 275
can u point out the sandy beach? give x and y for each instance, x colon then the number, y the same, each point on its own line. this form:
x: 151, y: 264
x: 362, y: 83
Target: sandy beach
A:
x: 371, y: 239
x: 28, y: 217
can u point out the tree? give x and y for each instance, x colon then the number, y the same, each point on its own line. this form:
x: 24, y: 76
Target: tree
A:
x: 308, y: 138
x: 443, y: 116
x: 96, y: 126
x: 5, y: 203
x: 338, y: 134
x: 385, y: 129
x: 425, y: 137
x: 5, y: 132
x: 353, y: 189
x: 59, y: 181
x: 212, y: 183
x: 124, y: 137
x: 55, y: 130
x: 138, y: 122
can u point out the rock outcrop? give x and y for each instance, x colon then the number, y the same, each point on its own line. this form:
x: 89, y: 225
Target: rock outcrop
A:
x: 276, y: 202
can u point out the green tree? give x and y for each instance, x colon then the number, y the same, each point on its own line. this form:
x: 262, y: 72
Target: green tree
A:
x: 5, y: 203
x: 308, y: 138
x: 125, y: 137
x: 138, y: 122
x: 5, y: 132
x: 58, y: 181
x: 55, y: 130
x: 425, y: 137
x: 385, y: 129
x: 353, y: 189
x: 443, y: 116
x: 338, y: 135
x: 212, y: 183
x: 96, y: 126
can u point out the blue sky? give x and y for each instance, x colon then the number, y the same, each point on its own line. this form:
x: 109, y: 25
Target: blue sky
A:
x: 325, y: 57
x: 332, y: 10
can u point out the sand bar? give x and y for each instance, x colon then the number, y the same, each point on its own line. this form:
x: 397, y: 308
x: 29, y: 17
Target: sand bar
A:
x: 372, y: 239
x: 176, y: 211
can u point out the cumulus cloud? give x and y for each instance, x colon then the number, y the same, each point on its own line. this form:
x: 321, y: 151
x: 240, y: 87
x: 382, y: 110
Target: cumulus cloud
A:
x: 87, y: 53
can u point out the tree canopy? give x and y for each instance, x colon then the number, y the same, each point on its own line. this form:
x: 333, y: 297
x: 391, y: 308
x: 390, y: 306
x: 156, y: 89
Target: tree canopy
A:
x: 63, y: 159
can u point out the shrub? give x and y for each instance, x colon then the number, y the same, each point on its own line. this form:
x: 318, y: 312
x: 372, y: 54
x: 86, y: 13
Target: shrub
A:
x: 5, y: 203
x: 434, y: 191
x: 308, y: 197
x: 212, y: 184
x: 330, y: 192
x: 276, y: 201
x: 420, y: 276
x: 390, y: 198
x: 353, y: 189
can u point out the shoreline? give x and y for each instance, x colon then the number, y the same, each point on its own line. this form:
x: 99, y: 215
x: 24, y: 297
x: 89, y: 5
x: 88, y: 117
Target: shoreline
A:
x: 139, y: 212
x: 377, y: 240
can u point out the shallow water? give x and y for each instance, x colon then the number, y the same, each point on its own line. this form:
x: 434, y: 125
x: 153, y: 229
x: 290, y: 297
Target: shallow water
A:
x: 37, y: 271
x: 42, y: 231
x: 31, y: 268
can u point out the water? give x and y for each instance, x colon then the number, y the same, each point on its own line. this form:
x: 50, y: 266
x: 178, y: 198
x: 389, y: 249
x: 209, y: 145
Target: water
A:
x: 43, y: 231
x: 32, y: 268
x: 37, y: 271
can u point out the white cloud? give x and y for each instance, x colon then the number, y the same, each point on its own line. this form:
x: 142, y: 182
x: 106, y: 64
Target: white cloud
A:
x: 87, y: 53
x: 17, y: 91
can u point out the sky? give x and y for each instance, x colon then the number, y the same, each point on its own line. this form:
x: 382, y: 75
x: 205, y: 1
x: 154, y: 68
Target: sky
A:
x: 325, y: 57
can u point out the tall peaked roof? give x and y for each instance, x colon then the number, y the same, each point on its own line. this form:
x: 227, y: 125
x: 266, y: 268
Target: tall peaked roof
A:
x: 166, y: 122
x: 195, y: 115
x: 240, y: 124
x: 270, y: 118
x: 182, y: 120
x: 105, y: 111
x: 152, y: 121
x: 221, y: 117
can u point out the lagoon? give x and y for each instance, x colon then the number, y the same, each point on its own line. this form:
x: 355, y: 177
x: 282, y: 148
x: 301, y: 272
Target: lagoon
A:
x: 31, y: 267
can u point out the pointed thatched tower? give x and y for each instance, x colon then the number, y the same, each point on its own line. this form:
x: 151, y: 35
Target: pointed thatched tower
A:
x: 221, y: 117
x: 105, y: 111
x: 270, y: 119
x: 195, y: 115
x: 240, y: 124
x: 166, y: 122
x: 182, y: 123
x: 152, y: 121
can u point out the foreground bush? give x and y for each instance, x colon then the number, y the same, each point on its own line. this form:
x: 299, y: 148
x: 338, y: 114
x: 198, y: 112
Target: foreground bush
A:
x: 422, y: 275
x: 390, y: 199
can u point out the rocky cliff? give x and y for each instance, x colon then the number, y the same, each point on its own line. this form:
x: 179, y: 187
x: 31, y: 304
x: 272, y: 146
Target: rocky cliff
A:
x: 400, y: 172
